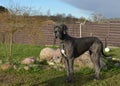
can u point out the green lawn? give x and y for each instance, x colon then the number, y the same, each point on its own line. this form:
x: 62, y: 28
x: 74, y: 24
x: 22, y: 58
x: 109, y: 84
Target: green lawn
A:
x: 47, y: 76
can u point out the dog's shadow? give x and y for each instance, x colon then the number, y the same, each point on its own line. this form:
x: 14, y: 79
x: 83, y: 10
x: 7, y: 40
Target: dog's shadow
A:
x: 80, y: 79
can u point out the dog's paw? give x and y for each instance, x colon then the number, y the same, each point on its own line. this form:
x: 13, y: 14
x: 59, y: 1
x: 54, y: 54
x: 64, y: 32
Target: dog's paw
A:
x: 95, y: 78
x: 69, y: 80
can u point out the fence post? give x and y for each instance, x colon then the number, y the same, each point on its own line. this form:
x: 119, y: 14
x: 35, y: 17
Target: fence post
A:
x: 80, y: 27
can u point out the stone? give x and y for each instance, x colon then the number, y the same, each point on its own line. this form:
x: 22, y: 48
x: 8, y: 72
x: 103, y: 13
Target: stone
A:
x: 46, y: 54
x: 5, y: 66
x: 28, y: 60
x: 26, y: 67
x: 85, y: 61
x: 51, y: 55
x: 15, y: 67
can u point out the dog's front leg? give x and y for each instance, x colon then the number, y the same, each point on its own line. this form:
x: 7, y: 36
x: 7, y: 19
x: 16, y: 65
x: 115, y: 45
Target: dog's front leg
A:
x: 71, y: 64
x: 69, y: 68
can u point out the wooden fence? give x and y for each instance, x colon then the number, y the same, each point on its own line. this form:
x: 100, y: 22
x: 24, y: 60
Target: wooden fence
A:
x: 44, y: 35
x: 107, y: 31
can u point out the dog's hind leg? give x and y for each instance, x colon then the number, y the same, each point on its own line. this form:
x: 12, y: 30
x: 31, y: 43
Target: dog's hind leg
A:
x: 95, y: 57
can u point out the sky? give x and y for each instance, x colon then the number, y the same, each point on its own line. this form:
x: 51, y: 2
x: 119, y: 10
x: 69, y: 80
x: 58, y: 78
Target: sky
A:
x: 78, y: 8
x: 54, y: 6
x: 108, y: 8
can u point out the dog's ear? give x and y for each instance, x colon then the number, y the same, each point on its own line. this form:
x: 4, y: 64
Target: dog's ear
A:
x: 64, y: 28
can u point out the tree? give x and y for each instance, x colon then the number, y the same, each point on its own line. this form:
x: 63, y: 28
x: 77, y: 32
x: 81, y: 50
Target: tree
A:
x: 70, y: 18
x: 82, y: 19
x: 98, y: 18
x: 48, y: 13
x: 17, y: 20
x: 3, y: 9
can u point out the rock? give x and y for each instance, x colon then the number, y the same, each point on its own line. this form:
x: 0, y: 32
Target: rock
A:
x: 28, y: 60
x: 5, y: 66
x: 85, y: 61
x: 50, y: 63
x: 46, y: 54
x: 52, y: 55
x: 54, y: 58
x: 15, y: 67
x: 117, y: 64
x: 27, y: 68
x: 116, y: 59
x: 1, y: 62
x: 57, y: 57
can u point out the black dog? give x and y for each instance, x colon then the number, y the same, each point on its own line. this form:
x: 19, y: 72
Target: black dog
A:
x: 74, y: 47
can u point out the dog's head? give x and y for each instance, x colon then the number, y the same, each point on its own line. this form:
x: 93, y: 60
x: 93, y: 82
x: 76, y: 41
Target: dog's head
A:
x: 60, y: 31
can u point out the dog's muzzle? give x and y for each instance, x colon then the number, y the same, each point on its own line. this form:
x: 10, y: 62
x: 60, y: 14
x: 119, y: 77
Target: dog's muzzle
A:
x: 55, y: 32
x: 58, y: 35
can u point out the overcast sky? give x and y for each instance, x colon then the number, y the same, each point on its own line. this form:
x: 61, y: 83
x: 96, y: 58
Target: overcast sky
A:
x: 108, y: 8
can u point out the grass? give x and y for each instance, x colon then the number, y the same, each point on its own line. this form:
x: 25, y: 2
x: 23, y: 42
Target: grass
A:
x: 21, y: 51
x: 47, y: 76
x: 115, y: 52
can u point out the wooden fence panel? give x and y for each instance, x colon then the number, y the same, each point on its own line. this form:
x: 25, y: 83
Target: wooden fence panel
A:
x: 45, y: 34
x: 109, y: 32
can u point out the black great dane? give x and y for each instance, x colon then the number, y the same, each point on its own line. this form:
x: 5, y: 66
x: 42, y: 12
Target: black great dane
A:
x: 72, y: 48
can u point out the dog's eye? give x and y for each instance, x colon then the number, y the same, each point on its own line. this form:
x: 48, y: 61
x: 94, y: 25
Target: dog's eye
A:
x: 55, y: 31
